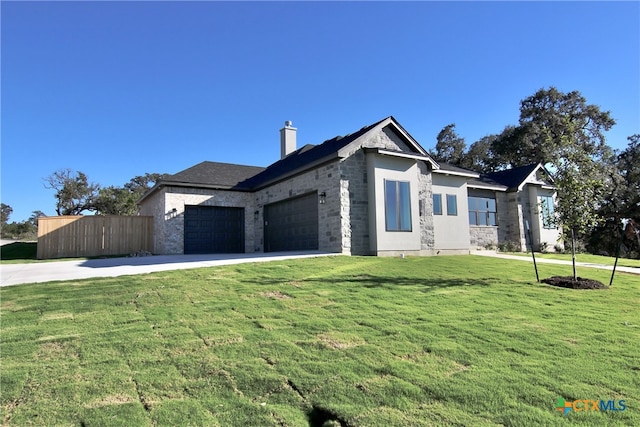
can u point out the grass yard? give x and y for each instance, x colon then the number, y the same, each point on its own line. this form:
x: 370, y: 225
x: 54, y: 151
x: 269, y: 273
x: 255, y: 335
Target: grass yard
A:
x: 588, y: 258
x: 352, y: 341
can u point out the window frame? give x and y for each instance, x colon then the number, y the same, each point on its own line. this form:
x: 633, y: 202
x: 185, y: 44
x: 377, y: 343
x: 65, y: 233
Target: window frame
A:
x: 403, y: 219
x: 452, y: 211
x: 476, y: 209
x: 547, y: 214
x: 439, y: 205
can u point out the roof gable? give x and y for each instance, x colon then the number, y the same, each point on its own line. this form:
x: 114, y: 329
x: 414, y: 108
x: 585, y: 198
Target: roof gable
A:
x: 311, y: 156
x: 249, y: 178
x: 516, y: 178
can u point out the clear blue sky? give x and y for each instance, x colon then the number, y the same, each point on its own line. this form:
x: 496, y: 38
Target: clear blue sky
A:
x: 118, y: 89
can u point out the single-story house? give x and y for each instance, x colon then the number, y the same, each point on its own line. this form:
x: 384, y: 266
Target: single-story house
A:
x: 375, y: 191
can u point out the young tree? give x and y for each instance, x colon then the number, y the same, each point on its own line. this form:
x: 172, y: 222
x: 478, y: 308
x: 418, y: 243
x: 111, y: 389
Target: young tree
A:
x: 566, y: 134
x: 5, y: 213
x: 449, y: 146
x: 74, y: 193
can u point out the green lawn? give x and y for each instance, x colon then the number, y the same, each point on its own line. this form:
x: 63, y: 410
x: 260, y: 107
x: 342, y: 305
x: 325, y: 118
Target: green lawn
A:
x: 364, y: 341
x: 588, y: 258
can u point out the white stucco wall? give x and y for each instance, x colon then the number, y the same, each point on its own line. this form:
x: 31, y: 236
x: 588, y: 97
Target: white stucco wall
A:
x: 379, y: 169
x: 541, y: 234
x: 451, y: 232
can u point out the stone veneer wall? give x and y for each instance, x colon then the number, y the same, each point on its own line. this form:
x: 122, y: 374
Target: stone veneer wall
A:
x: 326, y: 179
x: 483, y: 237
x: 154, y: 206
x: 427, y: 238
x: 171, y: 236
x: 343, y: 219
x: 354, y: 212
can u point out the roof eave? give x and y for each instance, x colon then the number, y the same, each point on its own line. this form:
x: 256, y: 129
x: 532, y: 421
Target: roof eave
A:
x: 498, y: 187
x: 457, y: 173
x: 298, y: 171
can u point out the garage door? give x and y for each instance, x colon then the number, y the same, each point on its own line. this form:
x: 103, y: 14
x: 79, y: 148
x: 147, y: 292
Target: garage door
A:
x: 292, y: 224
x: 213, y: 230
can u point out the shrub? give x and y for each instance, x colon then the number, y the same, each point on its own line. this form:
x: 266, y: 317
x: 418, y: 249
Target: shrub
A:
x: 509, y: 246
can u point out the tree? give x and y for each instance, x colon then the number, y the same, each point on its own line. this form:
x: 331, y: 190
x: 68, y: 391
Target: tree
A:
x: 566, y: 134
x: 74, y: 193
x: 123, y: 200
x: 5, y: 213
x: 449, y: 146
x: 141, y: 184
x: 116, y: 201
x: 555, y: 128
x: 33, y: 219
x: 621, y: 202
x: 480, y: 156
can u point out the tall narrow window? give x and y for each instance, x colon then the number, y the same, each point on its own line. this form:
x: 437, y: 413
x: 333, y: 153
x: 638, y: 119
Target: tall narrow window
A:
x: 548, y: 212
x: 397, y: 205
x: 437, y: 204
x: 452, y: 204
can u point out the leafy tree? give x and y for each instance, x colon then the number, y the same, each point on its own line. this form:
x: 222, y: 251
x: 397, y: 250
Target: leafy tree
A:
x: 5, y: 213
x: 566, y: 134
x: 141, y: 184
x: 74, y: 193
x: 449, y: 146
x: 622, y: 201
x: 116, y: 201
x: 123, y: 200
x: 555, y: 128
x: 33, y: 219
x: 480, y: 156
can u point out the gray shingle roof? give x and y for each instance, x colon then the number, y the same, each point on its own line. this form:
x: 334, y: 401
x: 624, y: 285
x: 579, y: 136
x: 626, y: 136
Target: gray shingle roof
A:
x: 305, y: 156
x: 249, y: 178
x: 511, y: 178
x: 221, y: 175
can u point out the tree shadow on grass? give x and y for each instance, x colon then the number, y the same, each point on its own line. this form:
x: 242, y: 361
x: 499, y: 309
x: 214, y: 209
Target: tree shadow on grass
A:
x: 19, y: 251
x: 385, y: 282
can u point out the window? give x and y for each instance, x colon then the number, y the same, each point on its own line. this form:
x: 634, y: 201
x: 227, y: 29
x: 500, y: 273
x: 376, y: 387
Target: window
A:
x: 437, y: 204
x: 482, y: 211
x: 397, y: 205
x: 452, y: 204
x: 548, y: 212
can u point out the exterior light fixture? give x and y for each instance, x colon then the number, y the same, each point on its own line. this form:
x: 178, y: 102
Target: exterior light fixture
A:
x: 322, y: 198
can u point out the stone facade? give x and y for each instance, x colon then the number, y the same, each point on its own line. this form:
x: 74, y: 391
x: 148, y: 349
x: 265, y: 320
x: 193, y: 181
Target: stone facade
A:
x: 351, y: 218
x: 483, y: 237
x: 325, y: 179
x: 168, y: 206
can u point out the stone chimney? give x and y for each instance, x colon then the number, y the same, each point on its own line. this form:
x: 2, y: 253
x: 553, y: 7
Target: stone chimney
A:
x: 287, y: 139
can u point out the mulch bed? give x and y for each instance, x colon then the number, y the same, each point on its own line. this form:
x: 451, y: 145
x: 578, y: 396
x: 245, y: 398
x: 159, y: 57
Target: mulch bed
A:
x: 568, y: 282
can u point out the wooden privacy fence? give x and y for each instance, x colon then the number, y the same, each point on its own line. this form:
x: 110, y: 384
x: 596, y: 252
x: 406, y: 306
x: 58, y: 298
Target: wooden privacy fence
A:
x: 86, y: 236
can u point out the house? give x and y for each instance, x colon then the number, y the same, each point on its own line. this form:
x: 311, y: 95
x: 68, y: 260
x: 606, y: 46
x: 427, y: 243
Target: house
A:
x: 372, y: 192
x: 526, y: 196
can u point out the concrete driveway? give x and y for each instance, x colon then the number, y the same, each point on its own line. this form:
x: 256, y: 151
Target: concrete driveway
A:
x: 15, y: 274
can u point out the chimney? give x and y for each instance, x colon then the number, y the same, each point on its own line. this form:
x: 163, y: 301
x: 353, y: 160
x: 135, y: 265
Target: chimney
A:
x: 287, y: 139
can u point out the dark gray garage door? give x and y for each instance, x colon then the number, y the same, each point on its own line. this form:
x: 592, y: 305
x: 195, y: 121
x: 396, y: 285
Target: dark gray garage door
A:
x: 292, y: 224
x: 213, y: 230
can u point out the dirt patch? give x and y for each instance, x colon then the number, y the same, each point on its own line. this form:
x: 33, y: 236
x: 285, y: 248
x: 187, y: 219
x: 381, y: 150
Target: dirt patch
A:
x: 117, y: 399
x: 570, y: 283
x: 340, y: 341
x: 275, y: 294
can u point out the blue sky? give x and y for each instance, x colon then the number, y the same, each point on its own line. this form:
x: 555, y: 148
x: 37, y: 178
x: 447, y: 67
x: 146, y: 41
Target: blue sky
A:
x: 118, y: 89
